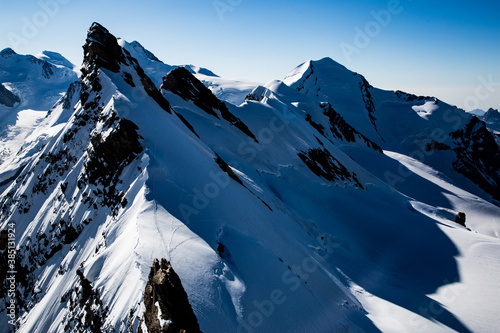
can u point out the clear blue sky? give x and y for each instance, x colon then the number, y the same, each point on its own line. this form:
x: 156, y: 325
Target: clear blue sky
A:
x: 442, y: 48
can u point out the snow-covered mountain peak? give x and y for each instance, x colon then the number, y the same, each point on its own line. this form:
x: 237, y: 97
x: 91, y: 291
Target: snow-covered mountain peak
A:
x: 349, y: 93
x: 492, y: 113
x: 151, y: 65
x: 154, y: 67
x: 55, y: 59
x: 276, y: 85
x: 477, y: 112
x: 200, y: 70
x: 492, y: 120
x: 141, y: 49
x: 316, y: 70
x: 327, y: 64
x: 7, y: 52
x: 327, y: 61
x: 16, y: 67
x: 326, y: 80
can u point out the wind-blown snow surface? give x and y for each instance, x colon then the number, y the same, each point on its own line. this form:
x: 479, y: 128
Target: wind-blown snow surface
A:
x: 315, y: 236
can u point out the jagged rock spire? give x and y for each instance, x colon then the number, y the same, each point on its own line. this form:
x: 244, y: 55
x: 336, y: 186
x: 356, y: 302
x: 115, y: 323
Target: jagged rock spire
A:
x: 184, y: 84
x: 164, y: 288
x: 101, y: 49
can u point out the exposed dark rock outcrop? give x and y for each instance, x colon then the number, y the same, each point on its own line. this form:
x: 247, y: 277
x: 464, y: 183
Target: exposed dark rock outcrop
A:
x: 182, y: 83
x: 301, y: 85
x: 365, y: 88
x: 47, y: 69
x: 324, y: 165
x: 342, y: 130
x: 73, y: 90
x: 460, y: 218
x: 478, y: 156
x: 258, y: 94
x: 185, y: 122
x: 59, y: 162
x: 492, y: 119
x: 86, y: 312
x: 8, y: 98
x: 166, y: 299
x: 223, y: 251
x: 111, y: 154
x: 227, y: 169
x: 107, y: 159
x: 410, y: 97
x: 314, y: 124
x: 101, y: 50
x: 434, y: 145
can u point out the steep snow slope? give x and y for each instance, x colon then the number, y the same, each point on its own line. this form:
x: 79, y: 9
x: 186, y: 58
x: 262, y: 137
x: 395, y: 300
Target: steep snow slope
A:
x: 57, y: 59
x: 275, y: 213
x: 151, y: 65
